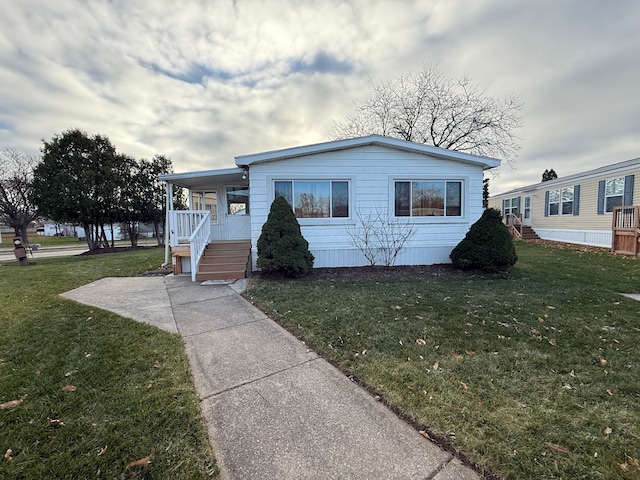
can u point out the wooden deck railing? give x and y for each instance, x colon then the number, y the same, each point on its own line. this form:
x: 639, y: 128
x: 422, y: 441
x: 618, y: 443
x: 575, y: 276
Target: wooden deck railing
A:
x: 514, y: 223
x: 625, y: 228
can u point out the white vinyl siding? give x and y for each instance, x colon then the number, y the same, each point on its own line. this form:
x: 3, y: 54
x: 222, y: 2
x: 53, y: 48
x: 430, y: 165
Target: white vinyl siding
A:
x: 371, y: 173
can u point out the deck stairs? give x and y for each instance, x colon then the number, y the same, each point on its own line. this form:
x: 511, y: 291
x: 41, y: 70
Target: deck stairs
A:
x: 529, y: 233
x: 228, y: 260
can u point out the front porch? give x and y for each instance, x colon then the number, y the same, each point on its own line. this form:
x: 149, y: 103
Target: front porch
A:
x: 212, y: 239
x: 518, y: 229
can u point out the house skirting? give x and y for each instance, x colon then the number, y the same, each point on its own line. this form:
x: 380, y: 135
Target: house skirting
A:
x: 594, y: 238
x: 352, y: 257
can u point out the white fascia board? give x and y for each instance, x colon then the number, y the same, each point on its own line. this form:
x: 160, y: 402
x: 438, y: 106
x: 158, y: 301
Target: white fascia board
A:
x: 192, y: 179
x: 614, y: 168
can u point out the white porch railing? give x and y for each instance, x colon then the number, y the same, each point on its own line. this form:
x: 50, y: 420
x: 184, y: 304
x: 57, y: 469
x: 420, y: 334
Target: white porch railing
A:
x: 198, y: 242
x: 183, y: 223
x: 191, y: 227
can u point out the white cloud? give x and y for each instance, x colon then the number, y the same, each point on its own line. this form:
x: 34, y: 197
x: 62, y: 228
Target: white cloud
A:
x: 203, y: 81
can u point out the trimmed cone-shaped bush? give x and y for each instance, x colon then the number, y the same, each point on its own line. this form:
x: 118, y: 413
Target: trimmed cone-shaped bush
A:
x: 281, y: 246
x: 487, y: 246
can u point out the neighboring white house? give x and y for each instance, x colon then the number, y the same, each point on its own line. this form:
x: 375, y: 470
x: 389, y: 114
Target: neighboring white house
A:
x: 577, y: 208
x: 331, y: 186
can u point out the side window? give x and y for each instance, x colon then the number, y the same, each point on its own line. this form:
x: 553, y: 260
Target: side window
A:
x: 206, y: 201
x: 428, y: 198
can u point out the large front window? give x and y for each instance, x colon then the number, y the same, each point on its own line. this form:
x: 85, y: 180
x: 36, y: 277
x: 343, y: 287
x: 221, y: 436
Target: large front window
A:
x: 428, y: 198
x: 315, y: 198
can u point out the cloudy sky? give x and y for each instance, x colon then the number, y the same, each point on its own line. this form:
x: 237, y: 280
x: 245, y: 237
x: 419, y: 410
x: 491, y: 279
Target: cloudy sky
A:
x: 202, y: 81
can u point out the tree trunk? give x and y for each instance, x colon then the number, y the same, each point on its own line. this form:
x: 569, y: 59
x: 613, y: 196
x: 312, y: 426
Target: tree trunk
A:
x: 159, y: 238
x: 88, y: 234
x: 21, y: 231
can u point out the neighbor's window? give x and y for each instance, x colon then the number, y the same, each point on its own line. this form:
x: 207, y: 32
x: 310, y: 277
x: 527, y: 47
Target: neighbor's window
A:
x: 512, y: 205
x: 613, y: 193
x: 566, y: 197
x: 554, y: 202
x: 315, y: 198
x: 428, y: 198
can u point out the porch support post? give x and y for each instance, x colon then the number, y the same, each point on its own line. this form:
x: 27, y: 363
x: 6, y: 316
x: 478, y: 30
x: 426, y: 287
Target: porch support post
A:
x: 167, y: 226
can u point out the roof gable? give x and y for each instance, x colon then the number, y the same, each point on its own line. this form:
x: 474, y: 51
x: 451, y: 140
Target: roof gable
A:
x: 349, y: 143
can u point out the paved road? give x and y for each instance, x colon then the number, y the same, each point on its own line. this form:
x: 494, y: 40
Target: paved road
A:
x: 6, y: 254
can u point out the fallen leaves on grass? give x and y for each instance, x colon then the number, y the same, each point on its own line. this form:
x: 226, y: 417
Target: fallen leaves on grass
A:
x: 634, y: 462
x: 69, y: 388
x: 101, y: 450
x: 156, y: 364
x: 556, y: 447
x: 464, y: 385
x: 608, y: 431
x: 420, y: 341
x: 69, y: 373
x: 143, y: 462
x: 552, y: 341
x: 7, y: 455
x: 11, y: 404
x: 603, y: 361
x: 53, y: 422
x: 424, y: 434
x: 455, y: 355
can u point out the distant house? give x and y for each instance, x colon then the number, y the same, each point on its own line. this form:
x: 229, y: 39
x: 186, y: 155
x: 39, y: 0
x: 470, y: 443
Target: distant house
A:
x: 330, y: 187
x: 577, y: 208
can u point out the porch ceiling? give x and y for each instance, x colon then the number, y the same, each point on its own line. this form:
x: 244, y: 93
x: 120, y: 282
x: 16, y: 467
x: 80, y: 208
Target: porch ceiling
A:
x: 206, y: 179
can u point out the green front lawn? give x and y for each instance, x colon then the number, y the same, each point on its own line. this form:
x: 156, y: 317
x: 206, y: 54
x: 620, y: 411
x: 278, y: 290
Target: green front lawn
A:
x: 85, y: 393
x: 534, y: 374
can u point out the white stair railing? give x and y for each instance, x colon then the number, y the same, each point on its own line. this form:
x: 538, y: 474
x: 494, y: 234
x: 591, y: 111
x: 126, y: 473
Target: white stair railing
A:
x: 198, y: 242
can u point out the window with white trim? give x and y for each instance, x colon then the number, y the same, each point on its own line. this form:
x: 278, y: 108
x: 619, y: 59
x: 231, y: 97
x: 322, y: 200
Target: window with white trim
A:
x: 566, y: 198
x: 613, y: 193
x: 428, y: 198
x: 554, y: 202
x: 561, y: 201
x: 206, y: 201
x: 315, y: 198
x: 512, y: 205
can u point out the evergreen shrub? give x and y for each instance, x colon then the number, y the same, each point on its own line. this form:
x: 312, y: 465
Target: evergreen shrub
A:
x: 487, y: 246
x: 281, y: 246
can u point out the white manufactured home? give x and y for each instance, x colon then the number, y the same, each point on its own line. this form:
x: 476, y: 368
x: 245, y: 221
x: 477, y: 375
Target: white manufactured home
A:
x: 595, y: 207
x: 331, y: 187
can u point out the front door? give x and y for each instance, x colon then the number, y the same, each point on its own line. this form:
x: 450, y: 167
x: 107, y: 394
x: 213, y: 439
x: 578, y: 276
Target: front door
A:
x: 237, y: 222
x: 526, y: 217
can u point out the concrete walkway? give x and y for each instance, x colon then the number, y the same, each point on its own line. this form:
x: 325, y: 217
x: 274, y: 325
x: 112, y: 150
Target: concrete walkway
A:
x: 274, y: 409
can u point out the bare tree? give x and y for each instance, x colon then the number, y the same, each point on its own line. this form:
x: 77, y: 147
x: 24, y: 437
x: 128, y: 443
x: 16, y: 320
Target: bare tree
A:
x: 426, y: 107
x: 378, y: 238
x: 16, y: 179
